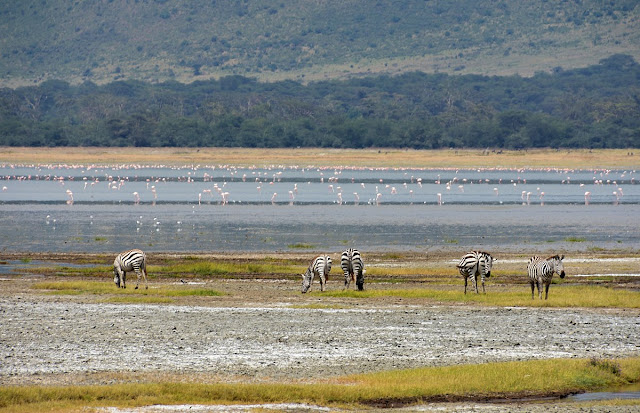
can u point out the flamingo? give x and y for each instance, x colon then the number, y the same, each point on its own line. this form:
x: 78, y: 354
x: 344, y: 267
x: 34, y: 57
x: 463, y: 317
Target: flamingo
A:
x: 587, y: 197
x: 439, y: 195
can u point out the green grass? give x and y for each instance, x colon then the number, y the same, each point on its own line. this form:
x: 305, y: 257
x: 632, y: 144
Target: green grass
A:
x: 157, y: 294
x: 223, y: 268
x: 510, y: 379
x: 300, y: 246
x: 590, y: 296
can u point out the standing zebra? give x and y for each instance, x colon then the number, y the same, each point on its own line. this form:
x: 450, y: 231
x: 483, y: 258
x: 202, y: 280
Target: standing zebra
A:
x: 320, y: 266
x: 353, y: 268
x: 132, y: 260
x: 541, y: 271
x: 473, y: 264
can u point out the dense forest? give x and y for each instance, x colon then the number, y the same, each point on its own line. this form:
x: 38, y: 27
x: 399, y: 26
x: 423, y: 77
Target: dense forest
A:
x: 593, y: 107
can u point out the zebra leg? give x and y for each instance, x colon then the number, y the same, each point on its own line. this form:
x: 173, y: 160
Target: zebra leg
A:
x: 546, y: 291
x: 540, y: 288
x: 475, y: 282
x: 482, y: 279
x: 533, y: 289
x: 465, y: 284
x: 124, y: 279
x: 137, y: 270
x: 360, y: 280
x: 347, y: 280
x: 144, y: 276
x: 323, y: 281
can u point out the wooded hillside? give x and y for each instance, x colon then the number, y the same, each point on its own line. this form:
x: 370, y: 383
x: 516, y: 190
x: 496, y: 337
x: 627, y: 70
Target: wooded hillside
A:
x: 593, y: 107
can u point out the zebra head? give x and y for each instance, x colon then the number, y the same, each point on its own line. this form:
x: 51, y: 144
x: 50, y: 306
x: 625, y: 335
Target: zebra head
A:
x: 488, y: 263
x: 558, y: 267
x: 306, y: 280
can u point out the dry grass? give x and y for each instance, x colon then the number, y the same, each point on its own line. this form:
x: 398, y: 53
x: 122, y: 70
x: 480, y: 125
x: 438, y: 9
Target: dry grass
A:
x: 466, y: 382
x: 323, y: 157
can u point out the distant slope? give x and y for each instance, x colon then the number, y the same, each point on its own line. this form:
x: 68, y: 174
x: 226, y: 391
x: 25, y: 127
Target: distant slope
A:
x: 158, y: 40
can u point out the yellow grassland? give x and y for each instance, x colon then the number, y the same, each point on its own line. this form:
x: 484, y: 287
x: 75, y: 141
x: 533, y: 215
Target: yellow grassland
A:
x: 326, y: 157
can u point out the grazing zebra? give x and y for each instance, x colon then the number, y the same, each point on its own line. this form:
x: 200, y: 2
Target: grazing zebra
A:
x: 472, y: 264
x: 320, y: 266
x: 353, y: 268
x: 541, y: 271
x: 132, y: 260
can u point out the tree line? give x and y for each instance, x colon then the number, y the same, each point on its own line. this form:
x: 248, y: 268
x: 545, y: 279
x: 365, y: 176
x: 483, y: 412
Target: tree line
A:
x: 593, y: 107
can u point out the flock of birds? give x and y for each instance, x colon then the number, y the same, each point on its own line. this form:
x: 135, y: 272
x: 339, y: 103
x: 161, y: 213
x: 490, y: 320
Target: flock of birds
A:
x: 215, y: 185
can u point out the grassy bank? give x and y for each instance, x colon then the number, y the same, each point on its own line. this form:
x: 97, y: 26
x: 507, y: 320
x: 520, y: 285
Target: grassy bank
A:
x: 324, y: 157
x: 560, y: 296
x: 510, y: 380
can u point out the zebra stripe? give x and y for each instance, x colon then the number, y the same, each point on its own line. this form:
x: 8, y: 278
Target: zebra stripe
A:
x: 541, y: 272
x: 353, y: 268
x: 132, y: 260
x: 475, y: 263
x: 320, y: 266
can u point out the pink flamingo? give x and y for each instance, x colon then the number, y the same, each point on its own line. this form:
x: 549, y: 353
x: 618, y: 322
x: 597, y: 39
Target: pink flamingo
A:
x: 587, y: 197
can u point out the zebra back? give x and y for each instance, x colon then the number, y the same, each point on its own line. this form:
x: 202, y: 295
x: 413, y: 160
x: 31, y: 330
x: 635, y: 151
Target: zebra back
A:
x: 352, y: 267
x: 129, y: 260
x: 132, y: 260
x: 541, y: 271
x: 321, y: 266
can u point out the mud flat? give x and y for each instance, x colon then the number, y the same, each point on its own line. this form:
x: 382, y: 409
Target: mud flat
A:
x: 265, y: 330
x: 52, y: 339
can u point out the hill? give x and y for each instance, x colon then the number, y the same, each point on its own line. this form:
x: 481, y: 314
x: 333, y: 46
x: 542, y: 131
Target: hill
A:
x: 159, y: 40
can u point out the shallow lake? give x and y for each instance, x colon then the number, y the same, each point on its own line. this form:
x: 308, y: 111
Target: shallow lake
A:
x: 202, y: 209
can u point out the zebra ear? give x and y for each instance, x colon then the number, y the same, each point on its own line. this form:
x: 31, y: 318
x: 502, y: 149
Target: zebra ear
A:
x: 562, y: 258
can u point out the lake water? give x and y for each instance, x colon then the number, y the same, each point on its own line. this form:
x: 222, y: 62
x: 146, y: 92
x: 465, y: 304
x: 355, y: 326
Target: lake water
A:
x: 205, y: 209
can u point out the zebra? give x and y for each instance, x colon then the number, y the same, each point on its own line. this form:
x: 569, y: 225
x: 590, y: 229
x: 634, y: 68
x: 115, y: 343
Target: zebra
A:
x: 541, y: 271
x: 353, y: 268
x: 132, y: 260
x: 473, y: 264
x: 320, y: 266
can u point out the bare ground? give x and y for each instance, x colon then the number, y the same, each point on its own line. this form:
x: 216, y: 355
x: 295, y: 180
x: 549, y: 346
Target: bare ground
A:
x: 265, y: 330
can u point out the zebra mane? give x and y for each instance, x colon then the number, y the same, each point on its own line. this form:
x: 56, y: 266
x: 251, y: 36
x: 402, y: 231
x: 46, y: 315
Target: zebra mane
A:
x: 555, y: 257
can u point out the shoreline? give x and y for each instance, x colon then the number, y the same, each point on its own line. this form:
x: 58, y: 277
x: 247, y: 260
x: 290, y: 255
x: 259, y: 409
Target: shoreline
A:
x: 563, y: 159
